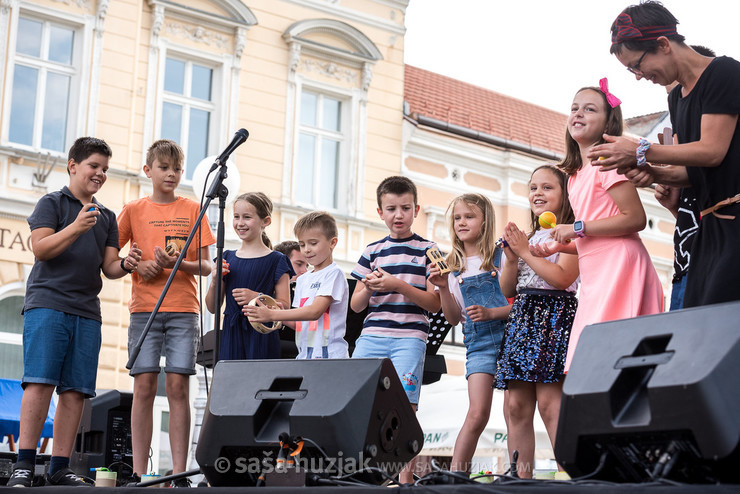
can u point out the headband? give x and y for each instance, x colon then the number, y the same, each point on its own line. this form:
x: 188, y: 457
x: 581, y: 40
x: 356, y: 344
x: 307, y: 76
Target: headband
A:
x: 626, y: 31
x: 610, y: 98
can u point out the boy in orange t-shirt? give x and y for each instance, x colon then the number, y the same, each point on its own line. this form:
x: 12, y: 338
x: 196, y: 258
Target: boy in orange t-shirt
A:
x: 160, y: 225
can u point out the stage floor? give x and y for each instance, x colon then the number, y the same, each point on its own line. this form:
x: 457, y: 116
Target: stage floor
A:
x: 523, y: 487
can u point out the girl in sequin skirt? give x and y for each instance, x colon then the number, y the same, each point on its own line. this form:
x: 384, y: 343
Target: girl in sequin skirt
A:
x: 471, y: 294
x: 531, y: 364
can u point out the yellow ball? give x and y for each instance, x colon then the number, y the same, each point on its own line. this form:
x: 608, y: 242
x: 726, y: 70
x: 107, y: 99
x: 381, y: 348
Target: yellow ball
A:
x: 547, y: 220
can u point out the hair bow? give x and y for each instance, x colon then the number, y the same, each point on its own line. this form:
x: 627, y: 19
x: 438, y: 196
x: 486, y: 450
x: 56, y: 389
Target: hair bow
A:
x: 610, y: 98
x: 625, y: 29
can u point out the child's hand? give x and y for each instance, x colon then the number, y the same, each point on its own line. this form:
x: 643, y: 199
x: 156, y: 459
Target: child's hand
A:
x: 134, y: 256
x: 668, y: 197
x: 477, y: 313
x: 148, y: 269
x: 545, y: 249
x: 86, y: 218
x: 163, y: 259
x: 259, y: 313
x: 243, y: 295
x: 517, y: 240
x: 563, y: 233
x: 438, y: 279
x: 224, y: 268
x: 382, y: 281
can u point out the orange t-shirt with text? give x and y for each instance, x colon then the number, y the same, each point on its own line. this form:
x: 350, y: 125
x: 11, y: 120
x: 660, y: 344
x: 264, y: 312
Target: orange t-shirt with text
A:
x: 155, y: 225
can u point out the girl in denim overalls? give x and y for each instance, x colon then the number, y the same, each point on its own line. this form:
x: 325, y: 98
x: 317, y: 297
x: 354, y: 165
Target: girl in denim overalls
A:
x: 532, y: 360
x: 471, y: 294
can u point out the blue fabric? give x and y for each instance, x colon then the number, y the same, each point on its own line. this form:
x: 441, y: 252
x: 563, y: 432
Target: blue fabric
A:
x: 11, y: 393
x: 677, y: 293
x: 483, y: 339
x: 61, y: 349
x: 239, y: 340
x: 406, y: 354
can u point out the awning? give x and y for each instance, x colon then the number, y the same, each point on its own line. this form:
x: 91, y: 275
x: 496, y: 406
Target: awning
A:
x: 442, y: 409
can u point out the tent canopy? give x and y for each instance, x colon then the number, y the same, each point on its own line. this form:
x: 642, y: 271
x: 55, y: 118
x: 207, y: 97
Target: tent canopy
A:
x: 11, y: 393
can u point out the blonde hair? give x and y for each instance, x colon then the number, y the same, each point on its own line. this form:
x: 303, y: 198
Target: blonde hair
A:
x: 486, y: 242
x: 317, y: 219
x: 263, y: 206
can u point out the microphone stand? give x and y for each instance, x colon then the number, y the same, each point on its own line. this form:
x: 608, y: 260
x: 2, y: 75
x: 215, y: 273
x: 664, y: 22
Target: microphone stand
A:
x: 217, y: 189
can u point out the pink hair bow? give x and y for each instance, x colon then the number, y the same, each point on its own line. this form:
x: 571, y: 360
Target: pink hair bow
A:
x: 610, y: 98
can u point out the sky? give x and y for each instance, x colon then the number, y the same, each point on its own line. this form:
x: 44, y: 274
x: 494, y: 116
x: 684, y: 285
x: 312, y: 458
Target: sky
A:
x: 542, y: 51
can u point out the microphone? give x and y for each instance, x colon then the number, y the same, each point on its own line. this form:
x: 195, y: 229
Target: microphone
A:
x: 239, y: 138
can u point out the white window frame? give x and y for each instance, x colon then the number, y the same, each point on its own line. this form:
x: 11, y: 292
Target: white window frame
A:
x: 79, y: 72
x: 347, y: 146
x: 362, y: 56
x: 225, y: 85
x: 214, y: 106
x: 16, y: 289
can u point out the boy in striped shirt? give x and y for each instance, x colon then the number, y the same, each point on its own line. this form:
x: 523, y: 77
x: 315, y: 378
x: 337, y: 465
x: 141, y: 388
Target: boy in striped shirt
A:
x: 393, y: 276
x: 393, y: 282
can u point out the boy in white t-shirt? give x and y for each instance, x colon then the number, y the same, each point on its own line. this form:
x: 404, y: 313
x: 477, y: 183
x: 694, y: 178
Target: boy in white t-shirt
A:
x: 321, y: 296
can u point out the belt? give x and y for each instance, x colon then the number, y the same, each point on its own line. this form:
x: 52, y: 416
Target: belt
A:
x: 725, y: 202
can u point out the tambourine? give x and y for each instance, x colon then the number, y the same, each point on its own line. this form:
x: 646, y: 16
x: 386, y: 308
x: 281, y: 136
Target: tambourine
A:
x: 270, y: 302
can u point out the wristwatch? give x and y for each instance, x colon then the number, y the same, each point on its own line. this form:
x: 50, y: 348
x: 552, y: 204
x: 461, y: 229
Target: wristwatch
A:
x: 579, y: 228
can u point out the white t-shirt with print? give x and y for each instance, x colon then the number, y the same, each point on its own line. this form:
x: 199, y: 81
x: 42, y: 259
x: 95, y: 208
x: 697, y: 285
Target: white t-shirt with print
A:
x: 323, y: 338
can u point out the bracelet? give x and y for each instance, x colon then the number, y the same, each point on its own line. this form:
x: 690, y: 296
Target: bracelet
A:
x: 129, y: 271
x: 642, y: 148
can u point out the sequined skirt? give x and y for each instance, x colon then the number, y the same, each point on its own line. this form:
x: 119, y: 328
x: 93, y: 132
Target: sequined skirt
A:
x: 535, y: 342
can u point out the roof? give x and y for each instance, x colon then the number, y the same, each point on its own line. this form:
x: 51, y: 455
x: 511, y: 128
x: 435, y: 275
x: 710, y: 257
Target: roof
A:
x: 482, y: 110
x: 644, y: 124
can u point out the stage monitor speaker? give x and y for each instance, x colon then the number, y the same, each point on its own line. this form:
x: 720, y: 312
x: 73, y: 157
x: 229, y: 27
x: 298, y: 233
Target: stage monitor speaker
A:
x: 655, y: 397
x: 104, y: 436
x: 355, y: 411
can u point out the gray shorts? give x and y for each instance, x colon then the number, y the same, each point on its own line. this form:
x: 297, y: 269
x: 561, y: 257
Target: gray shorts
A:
x: 177, y: 332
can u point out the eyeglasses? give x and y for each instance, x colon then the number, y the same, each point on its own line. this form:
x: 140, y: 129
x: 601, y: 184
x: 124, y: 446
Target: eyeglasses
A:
x: 635, y: 69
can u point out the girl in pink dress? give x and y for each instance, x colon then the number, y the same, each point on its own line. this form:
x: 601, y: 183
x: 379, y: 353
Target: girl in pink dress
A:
x: 618, y: 280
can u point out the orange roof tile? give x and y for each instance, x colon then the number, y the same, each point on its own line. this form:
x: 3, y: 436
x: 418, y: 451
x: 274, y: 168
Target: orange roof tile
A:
x: 482, y: 110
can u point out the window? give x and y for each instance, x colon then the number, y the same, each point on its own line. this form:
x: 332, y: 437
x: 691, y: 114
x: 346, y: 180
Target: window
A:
x: 11, y: 337
x: 187, y: 109
x: 43, y: 75
x: 320, y: 144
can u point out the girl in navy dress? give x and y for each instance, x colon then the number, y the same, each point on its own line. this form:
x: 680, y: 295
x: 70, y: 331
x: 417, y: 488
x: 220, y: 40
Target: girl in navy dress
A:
x: 249, y: 271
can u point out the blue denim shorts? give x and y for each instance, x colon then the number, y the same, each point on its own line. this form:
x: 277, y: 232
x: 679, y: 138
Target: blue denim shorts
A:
x: 60, y: 349
x: 407, y: 355
x: 482, y: 344
x: 176, y: 331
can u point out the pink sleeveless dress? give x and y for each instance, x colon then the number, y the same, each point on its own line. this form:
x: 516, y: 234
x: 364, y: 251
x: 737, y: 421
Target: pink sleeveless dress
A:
x: 618, y: 279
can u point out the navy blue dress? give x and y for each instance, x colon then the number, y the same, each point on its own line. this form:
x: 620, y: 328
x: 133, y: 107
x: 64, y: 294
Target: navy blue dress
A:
x: 239, y: 340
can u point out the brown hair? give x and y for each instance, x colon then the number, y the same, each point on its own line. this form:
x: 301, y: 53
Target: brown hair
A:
x: 565, y: 214
x: 614, y: 127
x: 317, y: 219
x: 263, y: 206
x: 165, y: 149
x: 396, y: 185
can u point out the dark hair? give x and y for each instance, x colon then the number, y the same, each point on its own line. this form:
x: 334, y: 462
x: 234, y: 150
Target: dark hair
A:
x: 565, y: 214
x: 262, y: 206
x: 162, y: 149
x: 83, y: 147
x: 287, y: 247
x: 647, y: 13
x: 703, y: 50
x: 396, y: 185
x: 317, y: 219
x: 614, y: 127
